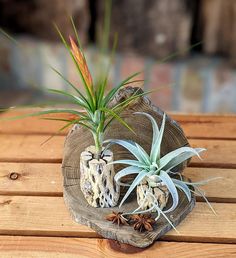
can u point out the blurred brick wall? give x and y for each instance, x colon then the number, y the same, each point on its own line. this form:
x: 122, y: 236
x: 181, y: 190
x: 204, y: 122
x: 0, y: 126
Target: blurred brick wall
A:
x: 196, y: 84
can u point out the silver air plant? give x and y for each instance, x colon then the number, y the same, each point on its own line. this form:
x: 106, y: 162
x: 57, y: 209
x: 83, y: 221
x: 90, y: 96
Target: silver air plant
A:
x: 154, y: 182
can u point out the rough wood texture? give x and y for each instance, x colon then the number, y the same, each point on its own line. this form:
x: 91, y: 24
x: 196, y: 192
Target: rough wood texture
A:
x: 31, y: 180
x: 29, y: 148
x: 36, y: 17
x: 95, y: 218
x: 172, y: 139
x: 155, y: 28
x: 160, y: 192
x: 48, y: 247
x: 202, y: 126
x: 97, y: 179
x: 48, y: 216
x: 218, y: 18
x: 173, y: 135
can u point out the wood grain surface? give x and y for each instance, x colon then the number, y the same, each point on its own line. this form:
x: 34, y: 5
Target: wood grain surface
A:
x: 202, y: 126
x: 48, y: 216
x: 48, y: 247
x: 29, y: 148
x: 30, y: 180
x: 31, y: 189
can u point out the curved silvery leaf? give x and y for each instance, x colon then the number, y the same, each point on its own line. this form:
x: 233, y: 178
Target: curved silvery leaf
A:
x: 181, y: 185
x: 175, y: 157
x: 136, y: 181
x: 202, y: 182
x: 156, y: 146
x: 153, y: 165
x: 201, y: 193
x: 143, y: 153
x: 155, y: 128
x: 172, y: 189
x: 159, y: 211
x: 126, y: 171
x: 129, y: 145
x: 130, y: 162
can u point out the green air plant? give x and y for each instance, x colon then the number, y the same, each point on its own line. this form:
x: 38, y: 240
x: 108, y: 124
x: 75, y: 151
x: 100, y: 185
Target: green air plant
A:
x: 95, y: 111
x: 93, y: 107
x: 154, y: 182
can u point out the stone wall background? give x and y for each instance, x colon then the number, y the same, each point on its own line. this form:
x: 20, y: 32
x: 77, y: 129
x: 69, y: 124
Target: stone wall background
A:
x: 202, y: 79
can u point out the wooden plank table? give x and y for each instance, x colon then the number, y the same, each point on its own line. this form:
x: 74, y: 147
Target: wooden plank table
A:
x: 34, y: 221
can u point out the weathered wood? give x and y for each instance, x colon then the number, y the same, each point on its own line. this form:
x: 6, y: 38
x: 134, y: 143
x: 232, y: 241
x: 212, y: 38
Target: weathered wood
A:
x: 46, y: 180
x: 95, y: 217
x: 30, y: 179
x: 30, y: 125
x: 38, y: 216
x: 21, y: 247
x: 160, y: 192
x: 208, y: 126
x: 28, y: 148
x: 47, y: 216
x: 36, y: 17
x: 155, y: 28
x: 217, y: 17
x: 173, y: 138
x: 220, y: 190
x: 97, y: 182
x: 220, y: 153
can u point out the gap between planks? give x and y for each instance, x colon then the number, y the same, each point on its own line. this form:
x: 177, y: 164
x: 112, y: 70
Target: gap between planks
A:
x: 22, y: 247
x: 40, y: 216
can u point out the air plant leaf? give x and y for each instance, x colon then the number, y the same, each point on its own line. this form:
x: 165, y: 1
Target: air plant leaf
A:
x: 112, y: 93
x: 182, y: 186
x: 126, y: 171
x: 118, y: 118
x: 156, y: 145
x: 155, y: 128
x: 70, y: 84
x: 136, y: 181
x: 88, y: 91
x: 77, y: 100
x: 129, y: 145
x: 159, y: 211
x: 79, y: 57
x: 165, y: 178
x: 143, y: 153
x: 156, y: 169
x: 202, y: 182
x: 46, y: 112
x: 97, y: 111
x: 176, y: 157
x: 130, y: 163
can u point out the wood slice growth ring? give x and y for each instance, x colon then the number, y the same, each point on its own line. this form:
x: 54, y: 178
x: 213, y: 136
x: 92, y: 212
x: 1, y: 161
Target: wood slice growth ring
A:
x: 79, y: 138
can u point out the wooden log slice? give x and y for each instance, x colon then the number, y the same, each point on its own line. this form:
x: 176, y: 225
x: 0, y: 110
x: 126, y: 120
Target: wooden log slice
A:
x: 79, y: 139
x: 94, y: 218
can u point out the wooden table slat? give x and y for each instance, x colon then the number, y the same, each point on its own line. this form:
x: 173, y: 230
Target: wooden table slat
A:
x: 32, y: 206
x: 46, y: 180
x: 48, y: 216
x: 29, y: 148
x: 21, y: 247
x: 194, y: 126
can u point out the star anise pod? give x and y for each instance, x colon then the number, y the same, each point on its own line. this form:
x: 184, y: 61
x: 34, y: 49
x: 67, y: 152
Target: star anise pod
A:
x: 143, y: 222
x: 117, y: 218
